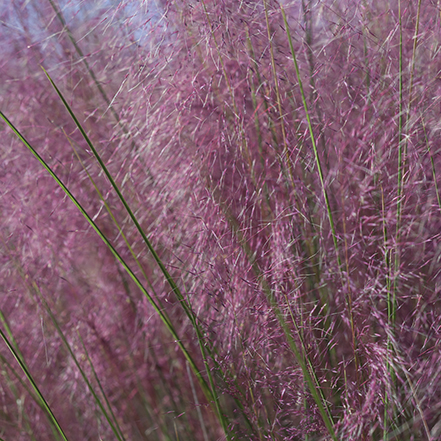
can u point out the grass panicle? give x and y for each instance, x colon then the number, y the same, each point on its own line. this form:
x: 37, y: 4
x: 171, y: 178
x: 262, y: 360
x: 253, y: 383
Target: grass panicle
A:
x: 220, y: 220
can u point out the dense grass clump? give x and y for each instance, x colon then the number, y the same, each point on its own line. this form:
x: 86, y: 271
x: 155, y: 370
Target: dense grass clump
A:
x: 220, y: 220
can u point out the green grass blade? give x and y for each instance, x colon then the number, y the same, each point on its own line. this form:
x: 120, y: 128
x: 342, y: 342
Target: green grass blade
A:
x: 309, y: 376
x: 158, y: 310
x: 169, y: 279
x: 115, y: 428
x: 13, y: 342
x: 33, y: 383
x: 161, y: 265
x: 120, y: 230
x: 7, y: 380
x: 175, y: 289
x: 314, y: 145
x: 391, y: 294
x: 101, y: 388
x: 279, y: 105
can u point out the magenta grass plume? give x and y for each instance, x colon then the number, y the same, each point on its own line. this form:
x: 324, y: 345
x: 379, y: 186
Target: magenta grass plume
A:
x: 220, y: 220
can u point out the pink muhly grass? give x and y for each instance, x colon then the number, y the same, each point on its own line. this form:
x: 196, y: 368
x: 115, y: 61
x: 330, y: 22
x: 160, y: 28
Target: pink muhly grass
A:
x: 282, y: 161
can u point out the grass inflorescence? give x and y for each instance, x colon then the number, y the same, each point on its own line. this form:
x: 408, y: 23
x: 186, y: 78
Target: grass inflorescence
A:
x: 220, y: 220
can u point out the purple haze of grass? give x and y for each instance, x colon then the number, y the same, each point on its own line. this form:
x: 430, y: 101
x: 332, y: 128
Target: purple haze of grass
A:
x: 196, y: 110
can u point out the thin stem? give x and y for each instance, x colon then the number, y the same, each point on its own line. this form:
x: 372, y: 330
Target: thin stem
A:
x: 158, y: 310
x: 33, y: 383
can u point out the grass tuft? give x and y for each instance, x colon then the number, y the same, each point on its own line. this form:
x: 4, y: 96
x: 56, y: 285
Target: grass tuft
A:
x: 220, y: 220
